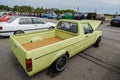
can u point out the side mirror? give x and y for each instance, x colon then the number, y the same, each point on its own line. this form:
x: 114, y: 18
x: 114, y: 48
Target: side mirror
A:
x: 91, y: 31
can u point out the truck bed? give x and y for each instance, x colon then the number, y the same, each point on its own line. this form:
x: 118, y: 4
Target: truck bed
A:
x: 34, y: 45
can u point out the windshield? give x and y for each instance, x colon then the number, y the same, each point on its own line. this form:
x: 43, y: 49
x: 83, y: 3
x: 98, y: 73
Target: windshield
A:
x: 117, y: 17
x: 11, y: 19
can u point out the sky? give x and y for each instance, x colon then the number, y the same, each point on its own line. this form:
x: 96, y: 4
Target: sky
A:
x: 101, y: 6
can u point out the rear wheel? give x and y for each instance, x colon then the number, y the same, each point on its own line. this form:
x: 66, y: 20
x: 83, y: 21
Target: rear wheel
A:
x: 60, y: 63
x: 18, y: 32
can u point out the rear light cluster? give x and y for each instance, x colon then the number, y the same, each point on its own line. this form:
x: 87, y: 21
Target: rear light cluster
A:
x: 1, y: 28
x: 29, y: 65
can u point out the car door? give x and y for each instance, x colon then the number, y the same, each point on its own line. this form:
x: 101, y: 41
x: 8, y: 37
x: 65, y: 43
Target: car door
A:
x: 40, y: 24
x: 26, y: 24
x: 88, y: 35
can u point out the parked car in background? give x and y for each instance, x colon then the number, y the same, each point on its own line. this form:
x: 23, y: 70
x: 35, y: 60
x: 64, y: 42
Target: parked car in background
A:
x: 18, y: 25
x: 44, y: 15
x: 5, y: 18
x: 59, y: 16
x: 79, y: 16
x: 67, y: 16
x: 95, y: 16
x: 100, y: 17
x: 3, y: 13
x: 90, y: 15
x: 52, y: 16
x: 115, y: 21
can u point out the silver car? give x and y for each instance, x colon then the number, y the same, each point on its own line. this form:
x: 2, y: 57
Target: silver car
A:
x: 18, y: 25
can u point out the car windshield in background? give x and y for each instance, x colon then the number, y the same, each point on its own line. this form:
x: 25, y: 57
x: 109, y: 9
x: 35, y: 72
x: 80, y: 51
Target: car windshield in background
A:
x: 11, y: 19
x: 117, y: 17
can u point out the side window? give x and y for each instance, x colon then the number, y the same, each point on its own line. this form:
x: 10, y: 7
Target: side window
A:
x: 87, y: 28
x: 38, y: 21
x: 25, y: 21
x: 68, y: 26
x: 21, y: 21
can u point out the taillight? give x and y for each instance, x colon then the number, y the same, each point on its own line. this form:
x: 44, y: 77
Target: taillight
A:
x: 29, y: 65
x: 1, y: 28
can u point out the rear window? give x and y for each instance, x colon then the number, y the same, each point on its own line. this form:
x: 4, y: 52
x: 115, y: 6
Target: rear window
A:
x: 11, y: 19
x: 68, y: 26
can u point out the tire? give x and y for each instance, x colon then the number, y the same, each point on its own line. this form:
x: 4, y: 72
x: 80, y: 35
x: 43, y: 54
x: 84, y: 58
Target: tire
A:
x: 18, y: 32
x: 97, y: 42
x: 51, y: 27
x: 60, y: 64
x: 111, y: 24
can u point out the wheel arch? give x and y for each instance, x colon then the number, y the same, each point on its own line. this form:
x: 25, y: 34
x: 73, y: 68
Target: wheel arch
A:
x: 51, y: 27
x: 97, y: 41
x: 99, y: 35
x: 60, y: 53
x: 18, y: 30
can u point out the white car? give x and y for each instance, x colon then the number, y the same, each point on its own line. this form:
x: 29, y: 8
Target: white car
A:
x: 18, y: 25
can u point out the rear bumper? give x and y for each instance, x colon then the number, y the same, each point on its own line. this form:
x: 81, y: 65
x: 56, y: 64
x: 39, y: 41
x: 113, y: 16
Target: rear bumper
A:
x: 6, y: 33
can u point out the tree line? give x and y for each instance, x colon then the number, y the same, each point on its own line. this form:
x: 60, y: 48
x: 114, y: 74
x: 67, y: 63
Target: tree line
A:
x: 30, y: 9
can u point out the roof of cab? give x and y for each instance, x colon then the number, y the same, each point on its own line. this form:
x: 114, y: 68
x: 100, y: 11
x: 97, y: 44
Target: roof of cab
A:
x: 81, y: 21
x: 94, y: 23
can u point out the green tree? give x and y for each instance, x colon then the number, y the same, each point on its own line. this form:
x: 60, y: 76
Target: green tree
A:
x: 69, y: 11
x: 39, y: 10
x: 3, y: 7
x: 26, y: 9
x: 16, y: 8
x: 30, y: 9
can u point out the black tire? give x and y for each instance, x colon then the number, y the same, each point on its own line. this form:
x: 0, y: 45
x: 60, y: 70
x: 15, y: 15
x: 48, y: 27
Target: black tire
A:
x: 18, y: 32
x: 60, y: 64
x: 52, y: 27
x: 112, y: 24
x: 97, y: 42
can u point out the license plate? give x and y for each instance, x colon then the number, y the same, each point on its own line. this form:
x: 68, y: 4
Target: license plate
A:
x: 115, y: 21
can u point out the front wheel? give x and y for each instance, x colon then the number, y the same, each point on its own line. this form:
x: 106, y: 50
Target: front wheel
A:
x: 60, y: 63
x: 51, y: 27
x: 97, y: 42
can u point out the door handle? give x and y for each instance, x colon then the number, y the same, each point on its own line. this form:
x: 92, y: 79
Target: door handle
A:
x: 86, y: 36
x: 36, y: 25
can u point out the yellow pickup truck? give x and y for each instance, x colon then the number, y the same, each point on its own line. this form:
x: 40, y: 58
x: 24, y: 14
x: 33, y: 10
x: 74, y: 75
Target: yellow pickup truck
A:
x: 52, y: 48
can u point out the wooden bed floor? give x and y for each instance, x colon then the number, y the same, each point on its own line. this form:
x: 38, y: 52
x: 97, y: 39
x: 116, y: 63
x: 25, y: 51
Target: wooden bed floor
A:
x: 34, y: 45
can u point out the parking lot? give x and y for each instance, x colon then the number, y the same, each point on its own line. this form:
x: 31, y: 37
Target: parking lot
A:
x: 101, y: 63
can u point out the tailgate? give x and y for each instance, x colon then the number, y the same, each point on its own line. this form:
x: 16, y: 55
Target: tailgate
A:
x: 18, y: 51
